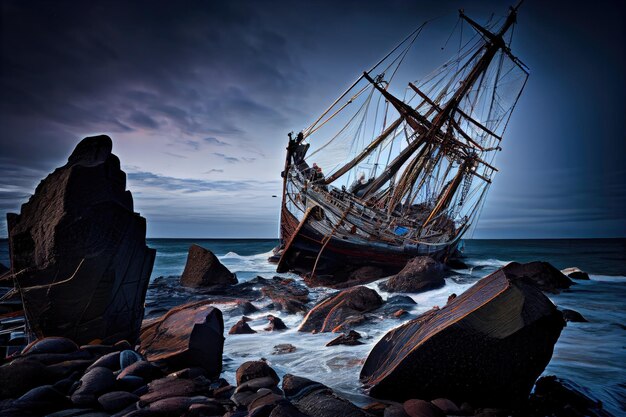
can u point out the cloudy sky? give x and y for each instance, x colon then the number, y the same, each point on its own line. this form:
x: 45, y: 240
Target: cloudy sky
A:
x: 198, y: 98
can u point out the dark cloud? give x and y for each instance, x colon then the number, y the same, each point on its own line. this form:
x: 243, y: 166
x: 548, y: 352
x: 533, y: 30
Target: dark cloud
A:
x: 229, y: 159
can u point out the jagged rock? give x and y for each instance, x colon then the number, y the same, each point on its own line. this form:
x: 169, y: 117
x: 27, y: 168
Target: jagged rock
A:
x: 275, y: 323
x: 93, y: 384
x: 315, y: 399
x: 286, y: 294
x: 559, y: 397
x: 421, y: 408
x: 420, y: 274
x: 283, y: 348
x: 50, y: 345
x: 575, y: 273
x: 350, y: 339
x: 253, y: 370
x: 79, y: 231
x: 486, y: 347
x: 241, y: 327
x: 573, y: 316
x: 335, y: 310
x: 187, y: 335
x: 540, y: 274
x: 203, y: 269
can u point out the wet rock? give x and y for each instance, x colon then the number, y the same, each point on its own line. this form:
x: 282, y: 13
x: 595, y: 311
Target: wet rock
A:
x: 256, y: 384
x: 421, y: 408
x: 450, y: 298
x: 487, y: 347
x: 203, y: 269
x: 143, y: 369
x: 187, y: 335
x: 286, y: 294
x: 41, y: 400
x: 350, y: 339
x: 395, y: 410
x: 396, y: 303
x: 93, y: 384
x: 129, y: 383
x: 241, y: 327
x: 275, y: 323
x: 540, y: 274
x: 79, y: 229
x: 115, y: 401
x: 253, y: 370
x: 573, y: 316
x: 315, y: 399
x: 332, y: 312
x: 283, y: 348
x: 50, y: 345
x: 559, y: 397
x: 246, y: 307
x: 400, y: 313
x: 575, y: 273
x: 174, y: 387
x: 53, y: 358
x: 286, y: 409
x: 207, y: 409
x: 447, y: 406
x: 110, y: 361
x: 128, y: 357
x: 176, y: 406
x: 420, y: 274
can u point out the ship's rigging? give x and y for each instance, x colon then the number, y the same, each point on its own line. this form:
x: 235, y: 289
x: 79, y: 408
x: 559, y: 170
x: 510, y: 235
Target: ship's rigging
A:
x: 420, y: 158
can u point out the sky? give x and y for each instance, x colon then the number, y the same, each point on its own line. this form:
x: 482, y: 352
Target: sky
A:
x: 198, y: 97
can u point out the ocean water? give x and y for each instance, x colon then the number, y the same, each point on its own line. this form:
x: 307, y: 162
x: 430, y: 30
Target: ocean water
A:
x: 593, y: 355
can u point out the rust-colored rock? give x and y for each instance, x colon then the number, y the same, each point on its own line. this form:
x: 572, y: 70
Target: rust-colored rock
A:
x: 486, y: 347
x: 241, y: 327
x: 203, y: 269
x: 420, y: 274
x: 335, y: 310
x: 80, y: 250
x: 186, y: 336
x: 350, y: 339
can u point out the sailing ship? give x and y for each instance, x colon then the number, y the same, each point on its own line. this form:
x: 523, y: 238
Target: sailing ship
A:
x: 406, y: 166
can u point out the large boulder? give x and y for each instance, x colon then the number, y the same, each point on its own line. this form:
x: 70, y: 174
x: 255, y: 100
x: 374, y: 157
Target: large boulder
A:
x: 486, y: 347
x: 420, y: 274
x: 186, y: 336
x: 540, y: 274
x: 333, y: 312
x: 80, y: 250
x: 203, y: 269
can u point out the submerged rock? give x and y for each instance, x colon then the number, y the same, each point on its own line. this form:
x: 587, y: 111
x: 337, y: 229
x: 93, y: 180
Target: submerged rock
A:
x: 559, y: 397
x: 286, y: 294
x: 573, y: 316
x: 333, y: 312
x: 81, y: 250
x: 575, y: 273
x: 486, y: 347
x: 539, y: 274
x: 420, y: 274
x: 187, y: 335
x: 283, y: 348
x: 275, y: 323
x: 203, y: 269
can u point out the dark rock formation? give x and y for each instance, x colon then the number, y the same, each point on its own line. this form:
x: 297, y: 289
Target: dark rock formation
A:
x: 421, y: 408
x: 447, y: 406
x: 115, y: 401
x: 283, y: 348
x: 286, y: 294
x: 350, y: 339
x: 241, y: 327
x: 540, y: 274
x: 573, y: 316
x: 456, y: 263
x: 486, y: 347
x: 253, y: 370
x: 93, y: 384
x: 203, y: 269
x: 50, y: 345
x: 275, y: 323
x: 245, y: 307
x: 188, y: 335
x: 420, y: 274
x: 315, y: 399
x: 81, y: 250
x: 346, y: 277
x: 334, y: 311
x: 575, y: 273
x: 559, y: 397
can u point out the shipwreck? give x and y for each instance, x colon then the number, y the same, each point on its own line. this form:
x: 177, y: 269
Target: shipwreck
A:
x: 394, y: 169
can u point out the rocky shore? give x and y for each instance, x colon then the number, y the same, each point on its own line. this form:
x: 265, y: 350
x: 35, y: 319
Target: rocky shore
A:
x: 80, y: 268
